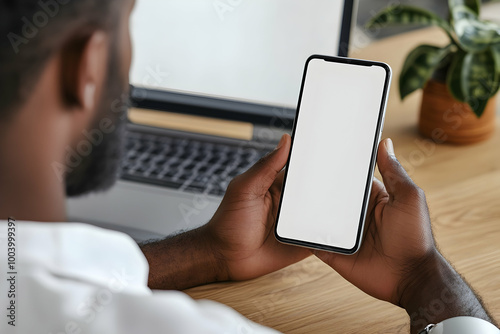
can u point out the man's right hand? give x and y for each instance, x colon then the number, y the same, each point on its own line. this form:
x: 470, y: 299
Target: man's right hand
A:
x: 398, y: 261
x: 398, y: 236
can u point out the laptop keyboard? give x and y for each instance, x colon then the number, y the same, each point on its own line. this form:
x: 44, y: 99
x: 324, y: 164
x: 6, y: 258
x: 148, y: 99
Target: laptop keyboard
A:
x: 185, y: 164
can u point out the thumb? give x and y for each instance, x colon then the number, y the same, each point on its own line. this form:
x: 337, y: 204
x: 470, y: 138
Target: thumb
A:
x: 397, y: 182
x: 261, y: 176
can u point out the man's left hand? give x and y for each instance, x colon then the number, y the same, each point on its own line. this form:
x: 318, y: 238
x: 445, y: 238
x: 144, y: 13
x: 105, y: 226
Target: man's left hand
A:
x: 242, y: 230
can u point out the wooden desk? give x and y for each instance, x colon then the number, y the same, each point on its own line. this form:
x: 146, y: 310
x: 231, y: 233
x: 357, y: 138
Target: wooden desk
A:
x: 463, y: 189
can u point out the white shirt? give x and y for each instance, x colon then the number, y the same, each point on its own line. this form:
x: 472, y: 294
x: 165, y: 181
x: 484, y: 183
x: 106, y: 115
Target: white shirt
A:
x: 78, y: 279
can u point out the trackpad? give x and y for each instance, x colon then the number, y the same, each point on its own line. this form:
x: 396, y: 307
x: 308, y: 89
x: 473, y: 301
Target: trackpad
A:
x: 132, y: 206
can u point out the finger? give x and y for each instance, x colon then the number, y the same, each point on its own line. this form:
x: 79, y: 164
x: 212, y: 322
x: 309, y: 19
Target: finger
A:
x: 397, y: 182
x: 377, y: 188
x: 277, y: 186
x: 278, y: 183
x: 378, y: 191
x: 261, y: 176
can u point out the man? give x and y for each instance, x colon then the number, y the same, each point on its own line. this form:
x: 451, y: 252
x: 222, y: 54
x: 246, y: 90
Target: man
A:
x: 63, y: 69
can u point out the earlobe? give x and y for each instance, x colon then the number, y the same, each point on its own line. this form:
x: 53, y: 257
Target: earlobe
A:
x: 89, y: 96
x: 92, y: 67
x: 84, y: 62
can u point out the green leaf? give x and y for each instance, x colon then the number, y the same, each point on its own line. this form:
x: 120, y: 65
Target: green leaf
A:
x: 454, y: 77
x: 479, y: 79
x: 495, y: 49
x: 419, y: 67
x: 473, y: 35
x: 400, y: 14
x: 474, y: 5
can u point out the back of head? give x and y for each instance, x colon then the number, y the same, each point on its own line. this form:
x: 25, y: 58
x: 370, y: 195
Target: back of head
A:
x: 31, y: 31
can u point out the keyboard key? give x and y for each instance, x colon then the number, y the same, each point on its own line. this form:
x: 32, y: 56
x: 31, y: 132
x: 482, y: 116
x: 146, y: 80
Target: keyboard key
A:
x: 157, y: 150
x: 170, y: 173
x: 213, y: 160
x: 146, y: 160
x: 184, y: 177
x: 140, y: 170
x: 185, y: 156
x: 180, y: 142
x: 219, y: 171
x: 243, y: 164
x: 202, y: 179
x: 203, y: 169
x: 161, y: 182
x: 160, y: 161
x: 196, y: 187
x: 171, y: 154
x: 157, y: 171
x: 190, y: 167
x: 199, y: 158
x: 216, y: 192
x: 174, y: 165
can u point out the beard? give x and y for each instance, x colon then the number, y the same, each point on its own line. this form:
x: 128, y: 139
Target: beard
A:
x: 99, y: 165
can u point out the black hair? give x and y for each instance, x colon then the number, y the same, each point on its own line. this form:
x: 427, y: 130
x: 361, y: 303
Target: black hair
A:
x: 31, y: 31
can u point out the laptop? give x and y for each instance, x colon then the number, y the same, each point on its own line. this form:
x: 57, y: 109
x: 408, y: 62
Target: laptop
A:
x: 214, y: 86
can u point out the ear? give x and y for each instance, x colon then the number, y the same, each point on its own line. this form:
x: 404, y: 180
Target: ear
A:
x: 84, y: 63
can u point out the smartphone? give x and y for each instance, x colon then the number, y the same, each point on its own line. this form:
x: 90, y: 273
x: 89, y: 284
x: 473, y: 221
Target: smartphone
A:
x: 335, y: 139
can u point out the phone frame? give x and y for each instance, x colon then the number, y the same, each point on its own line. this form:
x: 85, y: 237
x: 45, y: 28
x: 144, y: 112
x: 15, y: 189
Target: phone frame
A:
x: 376, y: 141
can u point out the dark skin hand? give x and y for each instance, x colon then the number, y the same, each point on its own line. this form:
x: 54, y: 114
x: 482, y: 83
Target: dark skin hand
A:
x: 398, y: 261
x: 238, y: 243
x: 243, y: 226
x: 398, y: 234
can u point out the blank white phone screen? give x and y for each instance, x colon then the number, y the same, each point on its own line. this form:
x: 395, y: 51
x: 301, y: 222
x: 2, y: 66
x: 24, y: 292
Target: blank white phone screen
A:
x: 332, y: 149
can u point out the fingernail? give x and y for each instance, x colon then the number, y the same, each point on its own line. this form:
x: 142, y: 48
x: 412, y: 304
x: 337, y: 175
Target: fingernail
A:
x: 389, y: 146
x: 281, y: 143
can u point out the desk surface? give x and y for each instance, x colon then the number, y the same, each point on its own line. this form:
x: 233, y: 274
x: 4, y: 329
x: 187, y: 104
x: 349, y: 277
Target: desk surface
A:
x: 463, y: 190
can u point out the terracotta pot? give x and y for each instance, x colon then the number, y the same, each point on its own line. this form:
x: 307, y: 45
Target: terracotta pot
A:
x: 445, y: 120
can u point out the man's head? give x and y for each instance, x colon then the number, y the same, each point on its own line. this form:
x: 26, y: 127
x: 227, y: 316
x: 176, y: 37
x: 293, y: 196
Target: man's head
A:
x: 81, y: 48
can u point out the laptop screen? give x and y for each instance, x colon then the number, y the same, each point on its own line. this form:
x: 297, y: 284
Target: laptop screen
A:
x: 243, y: 50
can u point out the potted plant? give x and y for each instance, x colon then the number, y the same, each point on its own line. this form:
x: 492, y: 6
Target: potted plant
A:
x: 460, y: 80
